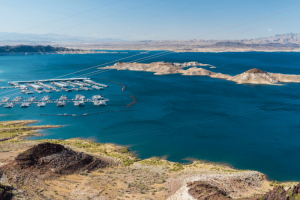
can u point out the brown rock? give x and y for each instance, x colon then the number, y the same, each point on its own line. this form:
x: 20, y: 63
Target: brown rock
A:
x: 5, y: 192
x: 203, y: 191
x: 256, y: 71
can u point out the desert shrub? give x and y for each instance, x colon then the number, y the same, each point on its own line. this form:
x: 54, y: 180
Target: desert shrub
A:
x: 124, y: 150
x: 177, y: 167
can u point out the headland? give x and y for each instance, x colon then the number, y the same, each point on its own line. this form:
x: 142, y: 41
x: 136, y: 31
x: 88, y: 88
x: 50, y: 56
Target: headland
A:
x: 82, y: 169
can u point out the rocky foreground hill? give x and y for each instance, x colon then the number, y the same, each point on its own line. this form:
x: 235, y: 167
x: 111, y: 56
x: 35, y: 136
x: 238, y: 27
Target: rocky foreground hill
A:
x: 82, y: 169
x: 252, y: 76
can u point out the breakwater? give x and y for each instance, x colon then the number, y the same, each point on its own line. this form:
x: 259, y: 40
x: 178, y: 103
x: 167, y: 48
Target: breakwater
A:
x: 132, y: 103
x: 76, y: 115
x: 124, y: 86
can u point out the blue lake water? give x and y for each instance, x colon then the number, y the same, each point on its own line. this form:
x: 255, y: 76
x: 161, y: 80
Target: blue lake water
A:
x: 253, y: 127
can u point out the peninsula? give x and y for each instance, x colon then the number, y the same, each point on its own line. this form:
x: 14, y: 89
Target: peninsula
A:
x: 82, y: 169
x: 40, y: 49
x: 252, y: 76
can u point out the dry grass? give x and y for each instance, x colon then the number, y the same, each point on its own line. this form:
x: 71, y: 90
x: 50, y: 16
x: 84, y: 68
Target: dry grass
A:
x: 14, y: 129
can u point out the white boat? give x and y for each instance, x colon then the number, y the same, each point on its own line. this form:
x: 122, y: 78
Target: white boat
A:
x: 61, y: 104
x: 79, y: 97
x: 18, y: 99
x: 39, y: 91
x: 32, y: 98
x: 97, y: 88
x: 41, y: 104
x: 28, y: 92
x: 79, y: 103
x: 67, y: 90
x: 9, y: 105
x: 48, y: 91
x: 97, y: 97
x: 46, y: 98
x: 100, y: 103
x: 5, y: 99
x: 24, y: 105
x: 63, y: 97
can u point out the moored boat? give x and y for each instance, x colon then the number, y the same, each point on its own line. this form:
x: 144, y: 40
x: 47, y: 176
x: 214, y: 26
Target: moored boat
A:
x: 100, y: 103
x: 41, y: 104
x: 5, y: 99
x: 61, y: 104
x: 97, y: 97
x: 9, y: 105
x: 63, y: 97
x: 46, y: 98
x: 28, y: 92
x: 79, y: 103
x: 24, y: 105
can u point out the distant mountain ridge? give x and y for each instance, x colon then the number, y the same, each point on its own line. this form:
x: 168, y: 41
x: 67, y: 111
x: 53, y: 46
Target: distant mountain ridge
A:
x: 284, y: 42
x: 282, y: 38
x: 33, y: 39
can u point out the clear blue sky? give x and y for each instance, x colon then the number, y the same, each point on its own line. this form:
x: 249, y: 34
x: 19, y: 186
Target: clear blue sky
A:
x: 165, y: 19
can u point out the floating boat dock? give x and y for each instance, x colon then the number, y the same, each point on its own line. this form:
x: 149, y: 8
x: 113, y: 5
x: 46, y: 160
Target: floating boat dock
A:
x: 15, y: 83
x: 58, y: 85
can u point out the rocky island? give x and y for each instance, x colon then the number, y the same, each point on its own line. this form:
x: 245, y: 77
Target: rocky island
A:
x: 82, y: 169
x: 252, y: 76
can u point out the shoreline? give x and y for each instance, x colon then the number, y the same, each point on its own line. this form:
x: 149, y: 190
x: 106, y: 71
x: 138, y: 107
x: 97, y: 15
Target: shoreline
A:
x: 37, y: 128
x: 251, y: 76
x: 158, y: 172
x: 190, y: 51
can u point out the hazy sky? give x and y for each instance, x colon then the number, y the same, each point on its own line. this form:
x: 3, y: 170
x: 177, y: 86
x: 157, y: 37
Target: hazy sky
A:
x: 140, y: 20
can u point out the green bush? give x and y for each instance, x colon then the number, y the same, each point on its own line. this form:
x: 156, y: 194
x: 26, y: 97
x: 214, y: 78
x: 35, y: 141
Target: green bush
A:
x: 124, y: 150
x: 177, y: 167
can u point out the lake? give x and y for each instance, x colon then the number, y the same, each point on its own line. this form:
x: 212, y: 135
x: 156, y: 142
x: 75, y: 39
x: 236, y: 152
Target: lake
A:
x: 253, y: 127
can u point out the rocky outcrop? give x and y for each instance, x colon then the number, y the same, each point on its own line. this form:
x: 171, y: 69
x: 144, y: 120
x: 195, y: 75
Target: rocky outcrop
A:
x: 235, y: 185
x: 56, y: 158
x: 161, y: 68
x: 255, y: 76
x: 194, y: 71
x: 203, y: 191
x: 191, y: 64
x: 252, y: 76
x: 285, y: 78
x: 5, y: 192
x: 158, y: 67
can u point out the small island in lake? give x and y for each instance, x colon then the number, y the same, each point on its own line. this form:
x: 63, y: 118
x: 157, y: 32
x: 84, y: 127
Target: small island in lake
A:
x: 252, y: 76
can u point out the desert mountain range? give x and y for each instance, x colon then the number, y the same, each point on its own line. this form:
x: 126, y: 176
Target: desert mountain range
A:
x: 283, y: 42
